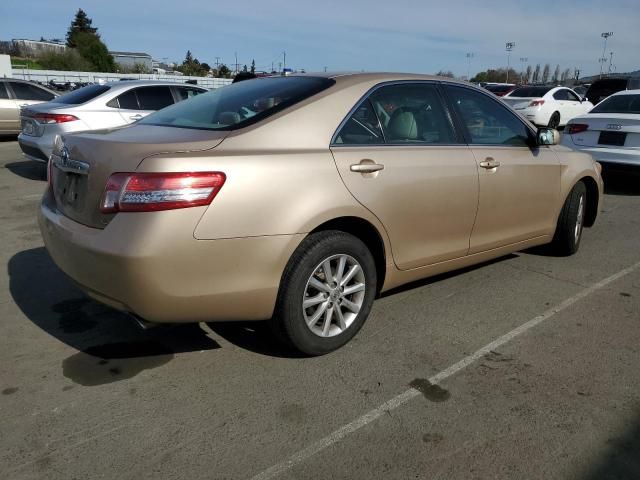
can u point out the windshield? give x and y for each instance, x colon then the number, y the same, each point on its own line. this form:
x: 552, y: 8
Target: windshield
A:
x: 499, y: 88
x: 82, y: 95
x: 240, y: 104
x: 530, y: 92
x: 619, y: 104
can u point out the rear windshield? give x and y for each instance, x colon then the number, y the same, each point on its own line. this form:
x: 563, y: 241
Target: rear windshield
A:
x: 240, y: 104
x: 619, y: 104
x: 499, y: 88
x: 82, y: 95
x: 530, y: 92
x: 601, y: 89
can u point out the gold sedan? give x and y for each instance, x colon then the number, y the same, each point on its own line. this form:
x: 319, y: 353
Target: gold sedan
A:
x: 299, y: 199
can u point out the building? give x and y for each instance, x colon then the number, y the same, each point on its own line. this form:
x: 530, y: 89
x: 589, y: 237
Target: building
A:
x: 34, y: 48
x: 131, y: 60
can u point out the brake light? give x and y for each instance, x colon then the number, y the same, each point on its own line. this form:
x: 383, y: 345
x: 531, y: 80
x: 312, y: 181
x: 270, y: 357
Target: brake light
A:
x: 150, y: 192
x: 54, y: 117
x: 536, y: 103
x: 574, y: 128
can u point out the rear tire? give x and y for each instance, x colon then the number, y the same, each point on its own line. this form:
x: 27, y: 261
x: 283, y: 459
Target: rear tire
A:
x: 336, y: 304
x: 566, y: 240
x: 554, y: 121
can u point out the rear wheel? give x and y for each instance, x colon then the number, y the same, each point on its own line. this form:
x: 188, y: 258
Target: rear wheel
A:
x: 554, y: 121
x: 326, y: 293
x: 566, y: 240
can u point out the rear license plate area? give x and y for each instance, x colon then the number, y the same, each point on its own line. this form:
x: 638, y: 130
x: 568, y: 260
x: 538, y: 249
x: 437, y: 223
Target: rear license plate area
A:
x: 612, y: 138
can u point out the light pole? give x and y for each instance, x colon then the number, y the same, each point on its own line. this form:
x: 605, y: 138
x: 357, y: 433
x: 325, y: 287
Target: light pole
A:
x: 611, y: 66
x: 470, y: 55
x: 603, y: 59
x: 509, y: 47
x: 524, y: 60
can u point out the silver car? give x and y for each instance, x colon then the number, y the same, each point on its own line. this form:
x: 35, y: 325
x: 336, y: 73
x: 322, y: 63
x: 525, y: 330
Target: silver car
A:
x: 14, y: 94
x: 95, y: 107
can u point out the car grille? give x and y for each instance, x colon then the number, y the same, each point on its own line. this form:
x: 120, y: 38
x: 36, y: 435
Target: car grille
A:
x: 33, y: 152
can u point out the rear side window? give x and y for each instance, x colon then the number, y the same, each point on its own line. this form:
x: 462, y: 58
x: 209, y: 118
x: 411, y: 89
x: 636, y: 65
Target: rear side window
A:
x: 488, y: 121
x: 239, y: 104
x: 185, y: 93
x: 154, y: 98
x: 3, y: 91
x: 25, y: 91
x: 82, y: 95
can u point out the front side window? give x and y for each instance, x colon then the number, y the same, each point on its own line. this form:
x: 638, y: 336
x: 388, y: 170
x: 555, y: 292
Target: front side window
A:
x: 240, y: 104
x: 24, y: 91
x: 561, y: 95
x: 362, y: 127
x: 488, y: 122
x: 184, y: 93
x: 572, y: 97
x: 3, y: 91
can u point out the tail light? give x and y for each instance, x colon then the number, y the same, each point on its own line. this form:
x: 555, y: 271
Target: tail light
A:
x: 536, y: 103
x: 574, y: 128
x: 151, y: 192
x: 54, y: 117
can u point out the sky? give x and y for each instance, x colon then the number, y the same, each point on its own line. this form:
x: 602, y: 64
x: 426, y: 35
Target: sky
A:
x: 421, y: 36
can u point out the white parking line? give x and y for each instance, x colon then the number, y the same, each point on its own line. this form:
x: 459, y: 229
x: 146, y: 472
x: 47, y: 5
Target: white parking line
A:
x: 411, y: 393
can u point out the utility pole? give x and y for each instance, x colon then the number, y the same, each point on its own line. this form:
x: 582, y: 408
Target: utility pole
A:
x: 509, y: 46
x: 610, y: 62
x: 470, y: 55
x: 523, y: 60
x: 576, y: 73
x: 217, y: 62
x: 284, y: 61
x: 325, y: 69
x: 603, y: 59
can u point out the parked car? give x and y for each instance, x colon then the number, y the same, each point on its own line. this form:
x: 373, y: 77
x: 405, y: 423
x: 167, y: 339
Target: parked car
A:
x: 95, y: 107
x: 602, y: 88
x: 15, y: 93
x: 500, y: 89
x: 547, y: 106
x: 581, y: 90
x: 610, y: 132
x: 299, y: 199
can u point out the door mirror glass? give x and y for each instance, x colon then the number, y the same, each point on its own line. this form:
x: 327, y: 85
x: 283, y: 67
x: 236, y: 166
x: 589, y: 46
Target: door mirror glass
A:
x: 548, y: 136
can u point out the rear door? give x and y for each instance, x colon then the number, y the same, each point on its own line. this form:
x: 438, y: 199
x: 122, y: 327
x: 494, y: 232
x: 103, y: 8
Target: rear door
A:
x: 137, y: 103
x: 400, y: 157
x: 9, y: 111
x: 519, y: 182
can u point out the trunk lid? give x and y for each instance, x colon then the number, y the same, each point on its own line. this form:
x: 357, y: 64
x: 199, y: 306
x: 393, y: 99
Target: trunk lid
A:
x: 607, y: 130
x: 78, y: 181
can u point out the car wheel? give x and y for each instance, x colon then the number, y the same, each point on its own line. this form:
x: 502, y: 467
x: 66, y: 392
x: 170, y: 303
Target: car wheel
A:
x: 326, y: 293
x: 554, y: 121
x: 566, y: 240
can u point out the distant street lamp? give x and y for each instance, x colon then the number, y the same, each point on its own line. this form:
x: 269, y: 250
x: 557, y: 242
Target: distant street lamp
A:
x: 509, y: 47
x: 603, y: 59
x: 470, y: 55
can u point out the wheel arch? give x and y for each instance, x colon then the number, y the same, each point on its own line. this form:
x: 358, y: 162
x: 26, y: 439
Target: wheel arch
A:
x: 368, y: 234
x: 593, y: 199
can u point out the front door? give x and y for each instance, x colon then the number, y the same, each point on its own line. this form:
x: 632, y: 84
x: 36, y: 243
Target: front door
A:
x: 399, y: 155
x: 519, y: 182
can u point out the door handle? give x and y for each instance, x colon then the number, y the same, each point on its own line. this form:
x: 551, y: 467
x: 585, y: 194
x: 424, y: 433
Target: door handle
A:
x: 366, y: 167
x: 489, y: 163
x: 135, y: 117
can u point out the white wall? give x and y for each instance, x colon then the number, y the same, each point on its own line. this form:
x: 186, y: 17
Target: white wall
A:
x: 5, y: 66
x: 61, y: 76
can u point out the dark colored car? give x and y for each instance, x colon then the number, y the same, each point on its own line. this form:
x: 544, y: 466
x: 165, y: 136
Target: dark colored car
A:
x: 601, y: 89
x: 500, y: 90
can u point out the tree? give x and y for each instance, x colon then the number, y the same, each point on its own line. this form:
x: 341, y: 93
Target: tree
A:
x: 188, y: 58
x: 80, y: 24
x: 565, y: 75
x: 545, y: 73
x: 528, y: 73
x: 445, y: 73
x: 205, y: 67
x: 223, y: 71
x: 536, y: 74
x: 494, y: 75
x: 253, y: 66
x: 556, y: 75
x: 245, y: 69
x: 92, y: 49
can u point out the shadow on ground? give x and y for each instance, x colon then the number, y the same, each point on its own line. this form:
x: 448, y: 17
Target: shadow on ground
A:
x: 28, y: 169
x: 621, y: 457
x: 622, y: 182
x: 111, y: 347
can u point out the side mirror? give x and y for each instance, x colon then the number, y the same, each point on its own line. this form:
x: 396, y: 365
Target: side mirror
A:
x: 548, y: 136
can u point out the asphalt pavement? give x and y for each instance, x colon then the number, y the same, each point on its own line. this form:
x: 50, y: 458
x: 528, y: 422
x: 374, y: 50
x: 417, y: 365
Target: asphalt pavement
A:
x: 524, y: 367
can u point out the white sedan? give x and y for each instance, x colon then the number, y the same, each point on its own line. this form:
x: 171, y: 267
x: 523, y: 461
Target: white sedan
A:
x: 610, y: 132
x: 547, y: 106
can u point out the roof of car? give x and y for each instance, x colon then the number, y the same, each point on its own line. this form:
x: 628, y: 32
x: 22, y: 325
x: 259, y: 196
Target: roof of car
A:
x: 366, y: 77
x: 148, y: 83
x: 627, y: 92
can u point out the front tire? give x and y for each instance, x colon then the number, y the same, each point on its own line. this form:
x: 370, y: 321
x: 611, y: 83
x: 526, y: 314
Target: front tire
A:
x: 326, y: 293
x: 566, y: 240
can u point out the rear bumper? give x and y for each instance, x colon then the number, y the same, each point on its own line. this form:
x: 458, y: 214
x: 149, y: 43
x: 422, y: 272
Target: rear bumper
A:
x: 36, y: 148
x: 147, y: 265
